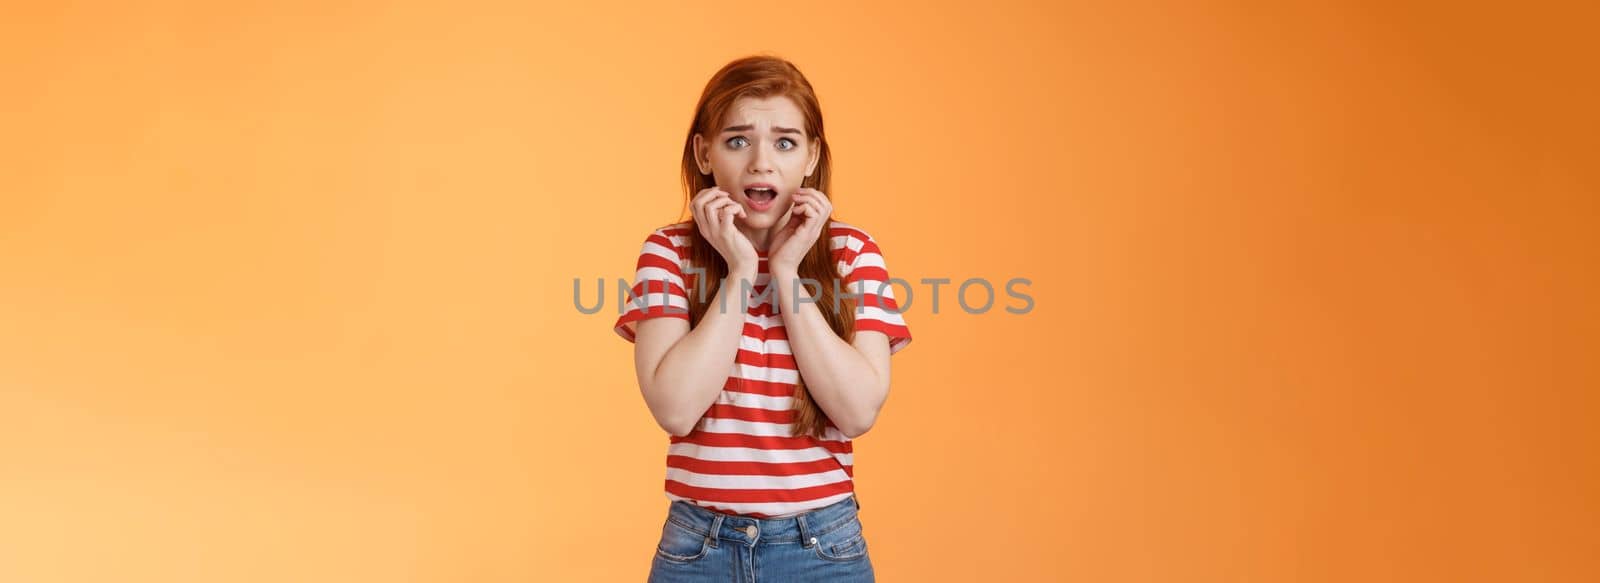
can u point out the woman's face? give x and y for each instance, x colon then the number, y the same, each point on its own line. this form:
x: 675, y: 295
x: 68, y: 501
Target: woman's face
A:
x: 759, y: 156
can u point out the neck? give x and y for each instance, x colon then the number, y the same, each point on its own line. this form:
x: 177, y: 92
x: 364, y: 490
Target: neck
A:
x: 761, y: 239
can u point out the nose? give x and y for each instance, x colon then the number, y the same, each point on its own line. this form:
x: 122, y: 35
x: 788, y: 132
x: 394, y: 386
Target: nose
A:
x: 761, y: 163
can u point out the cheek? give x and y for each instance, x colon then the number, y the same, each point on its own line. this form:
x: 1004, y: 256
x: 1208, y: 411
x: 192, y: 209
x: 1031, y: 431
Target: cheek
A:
x: 722, y: 158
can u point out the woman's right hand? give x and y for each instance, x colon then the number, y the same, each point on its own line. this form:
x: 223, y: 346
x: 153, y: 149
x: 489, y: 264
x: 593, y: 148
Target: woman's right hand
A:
x: 714, y: 210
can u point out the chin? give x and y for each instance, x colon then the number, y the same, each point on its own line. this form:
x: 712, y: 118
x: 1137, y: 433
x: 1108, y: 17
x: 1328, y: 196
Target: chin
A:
x: 759, y: 221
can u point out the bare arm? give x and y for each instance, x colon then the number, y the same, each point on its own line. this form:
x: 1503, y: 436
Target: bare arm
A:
x: 850, y: 381
x: 680, y: 370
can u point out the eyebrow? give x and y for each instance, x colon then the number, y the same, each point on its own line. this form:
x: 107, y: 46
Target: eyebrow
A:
x: 748, y: 127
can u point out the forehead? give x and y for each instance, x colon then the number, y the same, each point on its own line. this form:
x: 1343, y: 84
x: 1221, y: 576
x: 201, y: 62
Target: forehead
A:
x: 765, y: 112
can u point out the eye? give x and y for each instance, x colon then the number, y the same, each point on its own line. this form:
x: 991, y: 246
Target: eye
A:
x: 736, y: 142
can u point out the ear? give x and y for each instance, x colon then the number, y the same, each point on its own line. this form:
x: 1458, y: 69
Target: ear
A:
x: 816, y: 154
x: 700, y: 154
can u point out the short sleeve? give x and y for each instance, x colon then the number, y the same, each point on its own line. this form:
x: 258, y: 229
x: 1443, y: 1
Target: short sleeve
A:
x: 876, y: 308
x: 658, y: 286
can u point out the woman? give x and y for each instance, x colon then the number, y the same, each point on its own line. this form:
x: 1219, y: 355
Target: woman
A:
x: 762, y: 331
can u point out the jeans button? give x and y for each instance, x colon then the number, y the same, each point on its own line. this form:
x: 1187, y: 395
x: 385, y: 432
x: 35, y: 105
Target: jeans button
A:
x: 750, y: 531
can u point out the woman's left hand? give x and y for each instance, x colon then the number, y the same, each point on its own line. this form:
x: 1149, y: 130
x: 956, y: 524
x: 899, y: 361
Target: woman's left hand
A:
x: 806, y: 220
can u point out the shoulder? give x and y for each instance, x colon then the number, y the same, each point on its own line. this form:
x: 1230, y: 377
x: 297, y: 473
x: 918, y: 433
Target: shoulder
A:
x: 678, y: 232
x: 850, y: 239
x: 848, y: 233
x: 673, y: 237
x: 679, y: 229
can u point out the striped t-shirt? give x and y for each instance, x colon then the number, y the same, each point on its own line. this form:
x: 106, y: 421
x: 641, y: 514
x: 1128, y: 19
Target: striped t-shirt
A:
x: 740, y: 457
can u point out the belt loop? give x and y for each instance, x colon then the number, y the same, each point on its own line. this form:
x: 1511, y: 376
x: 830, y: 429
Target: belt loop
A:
x: 805, y: 529
x: 716, y: 530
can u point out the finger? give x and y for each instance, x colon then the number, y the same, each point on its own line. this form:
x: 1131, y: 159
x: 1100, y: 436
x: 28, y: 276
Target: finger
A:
x: 797, y: 218
x: 717, y: 202
x: 707, y: 196
x: 738, y: 208
x: 713, y: 192
x: 697, y: 206
x: 819, y: 208
x: 699, y: 201
x: 722, y: 215
x: 793, y: 219
x: 824, y: 206
x: 711, y: 221
x: 716, y: 195
x: 812, y: 205
x: 808, y: 211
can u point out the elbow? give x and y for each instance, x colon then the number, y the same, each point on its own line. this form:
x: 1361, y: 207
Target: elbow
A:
x: 860, y: 425
x: 676, y: 427
x: 679, y: 429
x: 670, y: 421
x: 858, y: 428
x: 673, y: 426
x: 854, y: 432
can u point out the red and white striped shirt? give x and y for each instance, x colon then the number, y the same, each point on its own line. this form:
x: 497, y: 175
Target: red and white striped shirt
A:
x: 740, y: 458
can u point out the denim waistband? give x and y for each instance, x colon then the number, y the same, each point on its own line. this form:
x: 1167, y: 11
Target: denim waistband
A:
x: 730, y: 527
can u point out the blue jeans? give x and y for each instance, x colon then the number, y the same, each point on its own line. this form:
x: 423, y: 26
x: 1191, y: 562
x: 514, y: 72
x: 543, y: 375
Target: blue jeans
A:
x: 698, y: 544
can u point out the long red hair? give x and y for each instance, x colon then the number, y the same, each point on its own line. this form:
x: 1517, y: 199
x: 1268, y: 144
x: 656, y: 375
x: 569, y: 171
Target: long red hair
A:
x: 759, y: 77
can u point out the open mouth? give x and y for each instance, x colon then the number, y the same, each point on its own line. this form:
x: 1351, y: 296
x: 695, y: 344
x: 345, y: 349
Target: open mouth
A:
x: 760, y: 195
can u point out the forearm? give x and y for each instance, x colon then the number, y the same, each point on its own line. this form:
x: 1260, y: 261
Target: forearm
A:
x: 837, y: 375
x: 693, y: 372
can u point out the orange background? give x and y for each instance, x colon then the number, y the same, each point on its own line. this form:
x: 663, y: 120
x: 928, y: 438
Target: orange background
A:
x: 286, y: 291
